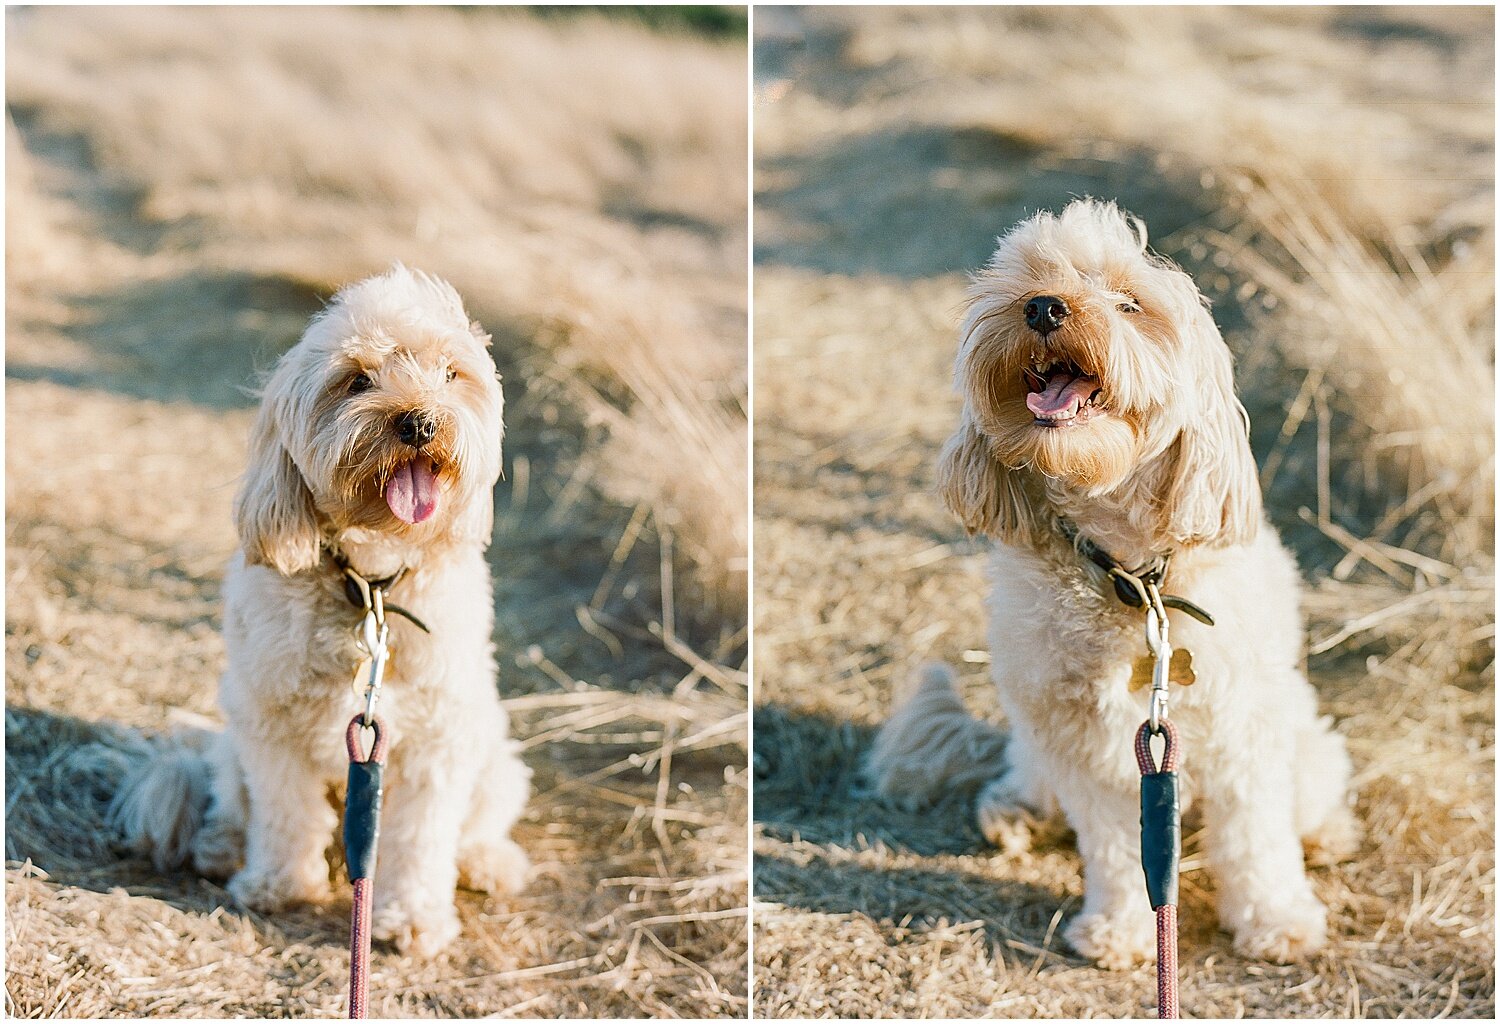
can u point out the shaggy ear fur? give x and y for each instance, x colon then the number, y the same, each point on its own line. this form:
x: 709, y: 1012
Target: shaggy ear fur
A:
x: 1212, y: 494
x: 477, y: 522
x: 274, y: 511
x: 986, y: 495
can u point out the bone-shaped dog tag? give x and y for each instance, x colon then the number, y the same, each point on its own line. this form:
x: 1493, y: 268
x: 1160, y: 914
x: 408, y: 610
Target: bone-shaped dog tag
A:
x: 1179, y: 670
x: 361, y: 678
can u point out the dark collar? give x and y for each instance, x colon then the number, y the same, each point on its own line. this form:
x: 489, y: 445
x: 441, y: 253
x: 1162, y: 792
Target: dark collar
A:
x: 357, y: 588
x: 1131, y: 584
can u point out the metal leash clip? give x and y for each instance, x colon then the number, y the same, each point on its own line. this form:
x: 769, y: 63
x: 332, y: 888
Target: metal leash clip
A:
x: 1160, y: 646
x: 374, y: 631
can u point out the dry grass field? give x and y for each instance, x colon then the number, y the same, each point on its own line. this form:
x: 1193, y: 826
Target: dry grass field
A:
x: 183, y: 187
x: 1327, y: 176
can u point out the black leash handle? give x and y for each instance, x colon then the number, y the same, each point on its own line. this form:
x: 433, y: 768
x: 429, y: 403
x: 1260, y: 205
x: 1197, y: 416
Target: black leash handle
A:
x: 1161, y: 850
x: 361, y: 837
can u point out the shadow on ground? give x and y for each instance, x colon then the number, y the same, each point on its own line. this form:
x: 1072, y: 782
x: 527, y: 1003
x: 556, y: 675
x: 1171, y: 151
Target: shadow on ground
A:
x: 915, y: 898
x: 922, y: 200
x: 808, y: 791
x: 807, y: 786
x: 202, y: 337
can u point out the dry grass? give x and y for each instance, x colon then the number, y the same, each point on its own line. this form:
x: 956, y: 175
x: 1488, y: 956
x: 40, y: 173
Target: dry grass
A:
x: 182, y: 188
x: 1327, y: 175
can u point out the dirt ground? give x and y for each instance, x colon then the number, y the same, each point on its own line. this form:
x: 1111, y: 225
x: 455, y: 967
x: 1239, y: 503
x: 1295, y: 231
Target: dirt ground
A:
x: 891, y: 148
x: 151, y: 275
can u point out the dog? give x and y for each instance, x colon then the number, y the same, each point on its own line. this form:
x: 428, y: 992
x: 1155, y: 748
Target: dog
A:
x: 377, y: 448
x: 1100, y: 419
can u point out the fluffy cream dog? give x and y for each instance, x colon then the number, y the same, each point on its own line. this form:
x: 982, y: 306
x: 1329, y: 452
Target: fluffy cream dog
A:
x: 1099, y: 409
x: 378, y: 445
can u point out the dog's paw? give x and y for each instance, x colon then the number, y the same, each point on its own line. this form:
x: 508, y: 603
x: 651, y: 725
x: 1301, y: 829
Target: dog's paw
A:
x: 269, y: 892
x: 1114, y: 943
x: 495, y: 868
x: 1283, y: 935
x: 1005, y: 819
x: 1334, y: 841
x: 218, y: 850
x: 421, y: 932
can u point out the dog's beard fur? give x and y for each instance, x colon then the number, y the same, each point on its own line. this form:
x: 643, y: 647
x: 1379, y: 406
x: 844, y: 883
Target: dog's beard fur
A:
x: 326, y: 445
x: 1162, y: 430
x: 1093, y: 457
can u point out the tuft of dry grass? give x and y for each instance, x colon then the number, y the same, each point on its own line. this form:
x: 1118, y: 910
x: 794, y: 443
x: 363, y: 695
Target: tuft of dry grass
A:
x: 1327, y: 176
x: 184, y: 187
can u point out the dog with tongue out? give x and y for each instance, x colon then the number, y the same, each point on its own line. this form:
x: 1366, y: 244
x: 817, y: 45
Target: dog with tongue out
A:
x: 1098, y: 406
x: 377, y: 446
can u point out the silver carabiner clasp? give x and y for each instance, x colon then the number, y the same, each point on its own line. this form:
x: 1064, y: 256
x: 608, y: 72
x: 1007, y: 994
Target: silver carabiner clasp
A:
x: 374, y: 632
x: 1158, y: 709
x: 1159, y: 644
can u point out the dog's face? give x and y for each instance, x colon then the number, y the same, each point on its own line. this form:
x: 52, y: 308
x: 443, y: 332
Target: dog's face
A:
x: 1090, y: 362
x: 384, y: 419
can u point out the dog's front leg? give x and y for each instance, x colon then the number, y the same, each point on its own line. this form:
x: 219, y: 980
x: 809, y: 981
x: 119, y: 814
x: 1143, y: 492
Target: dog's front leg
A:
x: 1249, y: 810
x: 1116, y: 927
x: 291, y: 825
x: 426, y: 797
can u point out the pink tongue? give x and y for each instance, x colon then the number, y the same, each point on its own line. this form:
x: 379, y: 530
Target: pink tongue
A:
x: 1063, y: 393
x: 412, y: 492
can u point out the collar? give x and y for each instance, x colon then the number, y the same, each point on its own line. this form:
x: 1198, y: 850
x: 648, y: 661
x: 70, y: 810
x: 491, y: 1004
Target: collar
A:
x: 1131, y: 584
x: 357, y: 588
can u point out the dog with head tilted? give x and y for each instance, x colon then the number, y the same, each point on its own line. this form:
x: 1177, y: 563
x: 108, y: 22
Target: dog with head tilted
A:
x: 1100, y: 427
x: 376, y: 449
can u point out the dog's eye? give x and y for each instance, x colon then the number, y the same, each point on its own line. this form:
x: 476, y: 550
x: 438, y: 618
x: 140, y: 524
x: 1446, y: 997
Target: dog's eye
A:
x: 452, y: 375
x: 1129, y: 305
x: 361, y: 382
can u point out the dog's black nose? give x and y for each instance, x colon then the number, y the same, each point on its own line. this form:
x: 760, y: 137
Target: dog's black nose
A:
x: 415, y: 428
x: 1045, y: 313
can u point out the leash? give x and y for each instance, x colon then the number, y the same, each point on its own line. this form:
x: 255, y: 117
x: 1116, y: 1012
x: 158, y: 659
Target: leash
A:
x: 1161, y: 815
x: 1161, y: 844
x: 1161, y: 818
x: 365, y: 788
x: 361, y: 833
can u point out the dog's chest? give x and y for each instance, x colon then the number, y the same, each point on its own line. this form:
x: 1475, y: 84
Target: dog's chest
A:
x: 1056, y: 629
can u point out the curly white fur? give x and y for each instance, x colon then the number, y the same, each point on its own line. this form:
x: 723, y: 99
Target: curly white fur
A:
x: 1160, y: 463
x: 325, y: 450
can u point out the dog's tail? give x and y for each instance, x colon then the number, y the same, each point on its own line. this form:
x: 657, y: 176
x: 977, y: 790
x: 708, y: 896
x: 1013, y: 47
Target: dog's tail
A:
x: 931, y: 745
x: 163, y: 798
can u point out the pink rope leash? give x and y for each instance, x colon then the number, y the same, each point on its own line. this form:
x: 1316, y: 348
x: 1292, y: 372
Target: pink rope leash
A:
x: 1166, y: 962
x: 1143, y: 756
x: 359, y: 952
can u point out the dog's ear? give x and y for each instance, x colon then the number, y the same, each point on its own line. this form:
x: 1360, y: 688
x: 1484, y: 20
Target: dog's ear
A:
x: 1212, y: 495
x: 476, y: 523
x: 986, y: 495
x: 274, y: 511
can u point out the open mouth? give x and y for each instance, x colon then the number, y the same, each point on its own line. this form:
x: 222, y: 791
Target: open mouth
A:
x: 412, y: 490
x: 1060, y: 394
